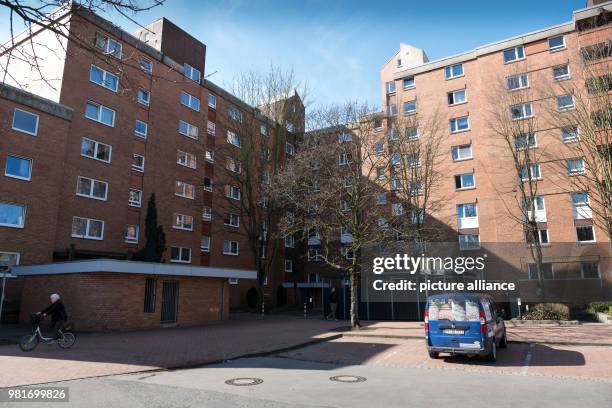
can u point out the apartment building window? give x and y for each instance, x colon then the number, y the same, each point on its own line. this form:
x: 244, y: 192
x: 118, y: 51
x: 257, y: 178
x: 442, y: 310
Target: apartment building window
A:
x: 25, y: 122
x: 457, y: 97
x: 467, y: 216
x: 235, y: 114
x: 144, y: 97
x: 95, y: 150
x: 205, y: 243
x: 188, y: 129
x: 378, y: 124
x: 514, y: 54
x: 18, y: 167
x: 108, y: 45
x: 453, y: 71
x: 575, y: 166
x: 565, y: 102
x: 381, y: 198
x: 345, y: 206
x: 517, y: 82
x: 131, y: 234
x: 581, y: 206
x: 459, y: 124
x: 192, y: 73
x: 265, y: 154
x: 534, y: 208
x: 417, y: 216
x: 145, y: 65
x: 461, y: 152
x: 180, y: 254
x: 585, y: 233
x: 390, y: 87
x: 138, y: 162
x: 135, y: 198
x: 379, y: 147
x: 383, y: 223
x: 396, y: 184
x: 234, y: 139
x: 232, y: 192
x: 209, y: 156
x: 532, y: 172
x: 381, y: 173
x: 542, y: 235
x: 525, y: 141
x: 393, y: 134
x: 265, y: 178
x: 186, y: 159
x: 561, y: 72
x: 344, y: 159
x: 263, y: 130
x: 289, y: 241
x: 556, y: 43
x: 409, y: 107
x: 314, y: 255
x: 9, y: 258
x: 288, y: 265
x: 231, y: 247
x: 521, y: 111
x: 412, y: 133
x: 396, y: 159
x: 103, y: 78
x: 397, y: 209
x: 469, y: 242
x: 413, y: 160
x: 234, y: 165
x: 212, y: 101
x: 233, y: 281
x: 90, y: 188
x: 182, y: 222
x: 87, y: 228
x: 547, y: 271
x: 207, y: 213
x: 184, y: 190
x: 596, y: 51
x: 149, y: 297
x: 590, y: 270
x: 190, y: 101
x: 231, y: 220
x: 289, y: 149
x: 208, y: 184
x: 211, y: 128
x: 408, y: 83
x: 12, y: 215
x: 415, y: 188
x: 569, y: 134
x: 140, y: 129
x: 465, y: 181
x: 100, y: 114
x: 392, y: 109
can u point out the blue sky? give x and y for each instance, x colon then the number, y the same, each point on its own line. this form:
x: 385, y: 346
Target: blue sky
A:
x: 337, y: 47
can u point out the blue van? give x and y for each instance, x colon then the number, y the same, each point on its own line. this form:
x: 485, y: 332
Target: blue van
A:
x: 464, y: 323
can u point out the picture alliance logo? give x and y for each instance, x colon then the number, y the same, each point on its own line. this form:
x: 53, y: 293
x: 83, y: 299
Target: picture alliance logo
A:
x: 428, y: 264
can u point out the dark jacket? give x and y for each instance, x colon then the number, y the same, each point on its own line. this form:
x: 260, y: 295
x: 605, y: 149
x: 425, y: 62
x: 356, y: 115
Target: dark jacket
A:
x: 56, y: 310
x: 333, y: 297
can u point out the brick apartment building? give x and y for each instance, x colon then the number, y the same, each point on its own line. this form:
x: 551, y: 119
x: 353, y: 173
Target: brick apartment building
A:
x: 123, y: 116
x: 478, y: 200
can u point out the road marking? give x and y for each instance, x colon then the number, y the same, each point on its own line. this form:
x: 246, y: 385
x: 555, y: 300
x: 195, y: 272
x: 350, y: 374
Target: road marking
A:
x: 528, y: 358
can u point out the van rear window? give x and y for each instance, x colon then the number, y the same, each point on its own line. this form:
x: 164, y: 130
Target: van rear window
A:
x: 454, y: 310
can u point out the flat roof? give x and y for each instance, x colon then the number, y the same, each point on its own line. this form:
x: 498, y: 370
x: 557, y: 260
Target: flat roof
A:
x: 131, y: 267
x: 34, y: 101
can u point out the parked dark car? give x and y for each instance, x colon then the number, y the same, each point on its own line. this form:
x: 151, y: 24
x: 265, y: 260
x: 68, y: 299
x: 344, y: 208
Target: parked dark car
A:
x: 464, y: 323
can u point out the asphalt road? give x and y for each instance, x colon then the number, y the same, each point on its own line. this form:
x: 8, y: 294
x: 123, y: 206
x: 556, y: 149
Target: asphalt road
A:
x: 289, y: 382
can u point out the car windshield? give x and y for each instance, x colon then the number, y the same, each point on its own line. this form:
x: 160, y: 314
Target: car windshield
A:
x: 460, y: 310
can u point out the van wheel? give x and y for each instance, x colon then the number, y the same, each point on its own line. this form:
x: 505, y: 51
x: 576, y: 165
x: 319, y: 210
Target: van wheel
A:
x: 492, y: 356
x: 434, y: 354
x: 503, y: 343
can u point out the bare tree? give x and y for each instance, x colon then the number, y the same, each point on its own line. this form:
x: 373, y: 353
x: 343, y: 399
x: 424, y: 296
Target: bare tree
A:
x: 260, y: 126
x: 514, y: 125
x: 330, y: 188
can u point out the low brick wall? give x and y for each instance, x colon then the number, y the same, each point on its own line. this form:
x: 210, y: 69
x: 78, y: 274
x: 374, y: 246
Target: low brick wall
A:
x: 115, y: 301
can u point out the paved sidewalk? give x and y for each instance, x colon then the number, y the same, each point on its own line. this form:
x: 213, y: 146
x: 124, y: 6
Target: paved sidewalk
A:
x: 595, y: 334
x: 124, y: 352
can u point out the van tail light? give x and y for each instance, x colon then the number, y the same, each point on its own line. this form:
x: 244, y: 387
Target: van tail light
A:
x: 426, y: 322
x: 483, y: 323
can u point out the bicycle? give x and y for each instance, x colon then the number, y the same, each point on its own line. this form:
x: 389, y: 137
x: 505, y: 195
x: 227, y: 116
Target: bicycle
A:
x: 30, y: 341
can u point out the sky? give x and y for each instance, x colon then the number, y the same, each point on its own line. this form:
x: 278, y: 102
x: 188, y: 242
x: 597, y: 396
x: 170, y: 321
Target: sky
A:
x: 337, y: 47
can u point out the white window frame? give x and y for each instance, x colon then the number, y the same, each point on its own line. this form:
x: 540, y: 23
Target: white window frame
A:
x: 234, y: 139
x: 146, y: 129
x: 449, y: 74
x: 467, y: 221
x: 92, y: 188
x: 107, y: 48
x: 565, y: 107
x: 24, y: 210
x: 99, y: 108
x: 206, y: 213
x: 381, y: 198
x: 585, y: 226
x: 189, y: 71
x: 523, y: 111
x: 96, y: 149
x: 182, y: 188
x: 461, y: 178
x: 208, y: 188
x: 574, y: 129
x: 190, y: 101
x: 290, y: 241
x: 465, y: 96
x: 527, y: 174
x: 458, y: 150
x: 454, y: 123
x: 556, y: 47
x: 516, y: 56
x: 523, y: 82
x: 578, y: 172
x: 288, y: 265
x: 212, y: 101
x: 87, y: 229
x: 129, y: 240
x: 230, y: 246
x: 145, y: 65
x: 409, y: 86
x: 466, y: 245
x: 133, y: 203
x: 189, y: 127
x: 135, y: 167
x: 183, y: 159
x: 230, y: 193
x: 289, y: 149
x: 231, y: 217
x: 412, y: 111
x: 180, y: 258
x: 31, y: 163
x: 105, y: 74
x: 205, y: 243
x: 23, y: 130
x: 211, y: 128
x: 209, y: 155
x: 179, y: 222
x: 528, y: 137
x: 146, y: 100
x: 564, y: 76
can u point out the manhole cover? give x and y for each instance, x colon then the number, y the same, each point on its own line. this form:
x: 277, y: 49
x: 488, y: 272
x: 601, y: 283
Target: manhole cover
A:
x: 241, y: 382
x: 348, y: 378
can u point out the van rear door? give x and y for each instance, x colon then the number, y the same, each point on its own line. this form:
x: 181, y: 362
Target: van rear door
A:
x: 454, y: 322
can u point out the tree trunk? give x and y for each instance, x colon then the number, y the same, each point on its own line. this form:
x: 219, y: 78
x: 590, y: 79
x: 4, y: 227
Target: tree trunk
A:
x: 355, y: 324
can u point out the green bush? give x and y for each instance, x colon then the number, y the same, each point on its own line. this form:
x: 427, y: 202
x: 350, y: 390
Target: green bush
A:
x: 548, y: 311
x: 601, y: 307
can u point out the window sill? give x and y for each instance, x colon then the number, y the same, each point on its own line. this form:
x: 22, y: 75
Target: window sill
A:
x: 457, y: 104
x: 462, y: 160
x: 18, y: 177
x: 454, y: 77
x: 515, y: 60
x: 230, y: 254
x: 465, y: 188
x: 557, y: 49
x: 563, y: 78
x: 587, y: 242
x: 460, y: 131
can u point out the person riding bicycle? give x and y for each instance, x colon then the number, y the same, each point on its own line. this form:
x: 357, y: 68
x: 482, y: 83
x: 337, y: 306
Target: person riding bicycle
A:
x: 57, y: 310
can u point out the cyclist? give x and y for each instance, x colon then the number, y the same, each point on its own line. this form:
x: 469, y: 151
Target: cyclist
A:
x: 57, y: 310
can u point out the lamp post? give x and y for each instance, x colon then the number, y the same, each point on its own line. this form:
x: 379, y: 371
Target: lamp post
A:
x: 5, y: 269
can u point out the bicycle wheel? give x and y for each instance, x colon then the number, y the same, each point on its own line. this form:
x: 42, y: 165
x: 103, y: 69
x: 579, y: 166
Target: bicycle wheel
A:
x: 67, y: 340
x: 28, y: 342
